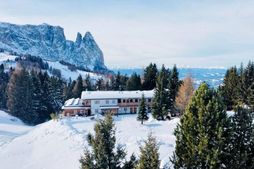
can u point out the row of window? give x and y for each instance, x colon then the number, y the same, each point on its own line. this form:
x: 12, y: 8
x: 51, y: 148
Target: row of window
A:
x: 132, y: 100
x: 123, y: 101
x: 107, y: 101
x: 131, y: 109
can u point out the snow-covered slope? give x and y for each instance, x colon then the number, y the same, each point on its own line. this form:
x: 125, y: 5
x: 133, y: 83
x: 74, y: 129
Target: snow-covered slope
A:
x: 59, y: 144
x: 9, y: 61
x: 49, y: 42
x: 67, y: 73
x: 10, y: 128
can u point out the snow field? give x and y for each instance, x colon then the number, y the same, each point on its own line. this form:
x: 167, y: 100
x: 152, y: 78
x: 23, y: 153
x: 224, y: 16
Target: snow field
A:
x: 60, y: 144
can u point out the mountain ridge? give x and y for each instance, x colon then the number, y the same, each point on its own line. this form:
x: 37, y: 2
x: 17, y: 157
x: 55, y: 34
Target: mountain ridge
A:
x: 49, y: 42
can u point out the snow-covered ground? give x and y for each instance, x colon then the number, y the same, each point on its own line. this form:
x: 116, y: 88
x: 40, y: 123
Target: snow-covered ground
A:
x: 9, y: 61
x: 10, y: 128
x: 66, y: 73
x: 60, y: 144
x: 6, y: 56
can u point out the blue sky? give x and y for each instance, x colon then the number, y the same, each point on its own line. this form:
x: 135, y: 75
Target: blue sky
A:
x: 133, y: 33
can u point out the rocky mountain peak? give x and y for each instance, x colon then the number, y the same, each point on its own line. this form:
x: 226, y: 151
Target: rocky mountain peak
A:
x: 78, y: 39
x: 49, y: 42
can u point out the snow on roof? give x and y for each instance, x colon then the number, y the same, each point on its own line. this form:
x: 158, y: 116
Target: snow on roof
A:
x: 73, y: 102
x: 115, y: 94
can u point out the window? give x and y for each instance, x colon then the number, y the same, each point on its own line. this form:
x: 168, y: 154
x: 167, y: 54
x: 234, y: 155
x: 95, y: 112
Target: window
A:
x: 123, y: 100
x: 131, y: 100
x: 119, y: 100
x: 113, y: 101
x: 107, y: 102
x: 149, y: 109
x: 136, y: 100
x: 149, y: 100
x: 97, y: 101
x: 135, y: 110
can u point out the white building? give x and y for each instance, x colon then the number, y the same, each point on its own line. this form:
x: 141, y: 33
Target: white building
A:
x: 116, y: 102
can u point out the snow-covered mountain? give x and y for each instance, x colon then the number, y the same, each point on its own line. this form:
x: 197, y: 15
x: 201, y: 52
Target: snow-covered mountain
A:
x: 60, y: 144
x: 49, y: 42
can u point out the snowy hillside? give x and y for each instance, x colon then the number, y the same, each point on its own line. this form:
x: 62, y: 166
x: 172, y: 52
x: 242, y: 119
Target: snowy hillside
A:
x: 10, y: 128
x: 49, y: 42
x: 67, y: 73
x: 59, y: 144
x: 9, y: 61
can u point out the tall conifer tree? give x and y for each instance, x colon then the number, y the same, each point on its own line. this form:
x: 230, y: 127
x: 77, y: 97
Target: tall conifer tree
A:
x: 103, y: 153
x: 20, y: 95
x: 230, y: 88
x: 4, y: 78
x: 161, y: 96
x: 202, y: 131
x: 150, y: 74
x: 134, y: 82
x: 173, y: 87
x: 78, y: 88
x: 149, y: 155
x: 240, y: 148
x: 142, y: 112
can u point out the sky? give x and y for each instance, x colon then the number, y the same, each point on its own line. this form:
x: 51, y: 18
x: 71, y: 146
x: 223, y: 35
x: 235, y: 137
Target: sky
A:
x: 134, y: 33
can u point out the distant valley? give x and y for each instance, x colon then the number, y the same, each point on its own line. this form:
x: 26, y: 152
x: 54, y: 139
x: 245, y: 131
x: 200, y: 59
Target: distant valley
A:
x: 213, y: 76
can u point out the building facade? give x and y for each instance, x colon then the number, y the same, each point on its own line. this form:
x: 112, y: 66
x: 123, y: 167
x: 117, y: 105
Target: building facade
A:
x: 102, y: 102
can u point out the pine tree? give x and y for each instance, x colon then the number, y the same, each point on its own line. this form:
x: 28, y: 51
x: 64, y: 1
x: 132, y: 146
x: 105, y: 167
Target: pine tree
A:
x: 161, y: 96
x: 131, y: 164
x: 88, y: 83
x: 240, y: 149
x: 240, y: 88
x: 123, y: 82
x: 142, y: 112
x: 173, y: 87
x: 4, y: 78
x: 56, y: 93
x: 251, y: 97
x: 100, y: 84
x: 184, y: 95
x: 134, y: 82
x: 20, y: 95
x: 117, y: 82
x: 229, y: 89
x: 46, y: 105
x: 78, y: 88
x: 30, y: 115
x: 87, y: 161
x: 36, y: 104
x: 67, y: 91
x: 103, y: 153
x: 150, y: 73
x: 202, y: 131
x: 112, y: 82
x: 247, y: 81
x: 107, y: 85
x: 149, y: 155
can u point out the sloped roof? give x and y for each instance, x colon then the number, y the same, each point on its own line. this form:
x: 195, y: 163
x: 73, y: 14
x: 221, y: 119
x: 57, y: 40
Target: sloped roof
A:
x: 73, y: 102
